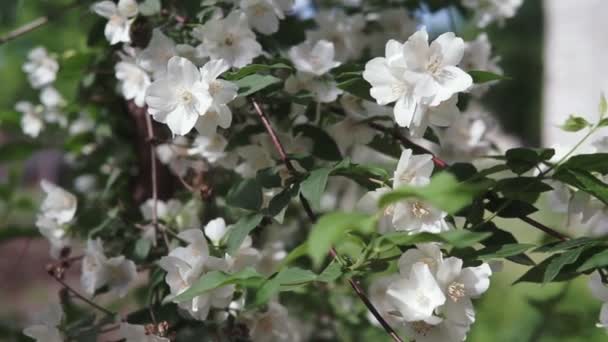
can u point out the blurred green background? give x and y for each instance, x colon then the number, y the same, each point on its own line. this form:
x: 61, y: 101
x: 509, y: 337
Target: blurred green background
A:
x: 523, y: 312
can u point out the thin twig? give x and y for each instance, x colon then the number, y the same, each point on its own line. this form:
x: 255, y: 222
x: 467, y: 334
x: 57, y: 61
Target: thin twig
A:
x: 333, y: 253
x: 154, y: 181
x: 81, y: 297
x: 35, y: 24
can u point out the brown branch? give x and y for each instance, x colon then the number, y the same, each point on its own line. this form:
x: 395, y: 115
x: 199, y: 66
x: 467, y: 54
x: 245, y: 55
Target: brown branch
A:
x: 79, y: 296
x: 311, y: 215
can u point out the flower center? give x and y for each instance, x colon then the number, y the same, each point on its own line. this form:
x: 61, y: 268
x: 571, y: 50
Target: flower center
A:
x: 420, y: 210
x: 259, y: 10
x: 406, y: 177
x: 214, y: 88
x: 421, y: 327
x: 456, y: 291
x: 422, y: 300
x: 389, y: 210
x: 434, y: 65
x: 229, y: 40
x: 186, y: 97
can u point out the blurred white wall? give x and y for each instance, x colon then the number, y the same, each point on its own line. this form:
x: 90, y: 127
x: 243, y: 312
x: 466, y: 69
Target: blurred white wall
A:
x: 576, y: 64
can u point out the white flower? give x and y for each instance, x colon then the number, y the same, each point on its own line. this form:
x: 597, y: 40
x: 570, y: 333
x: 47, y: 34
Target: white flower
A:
x: 377, y: 295
x: 427, y: 253
x: 415, y: 73
x: 212, y: 148
x: 323, y: 89
x: 559, y: 197
x: 138, y: 333
x: 466, y: 138
x: 315, y: 59
x: 120, y: 18
x: 274, y: 325
x: 82, y: 124
x: 487, y: 11
x: 599, y: 290
x: 222, y: 92
x: 442, y: 115
x: 343, y: 31
x: 460, y: 285
x: 98, y: 270
x: 185, y: 265
x: 156, y: 55
x: 361, y: 109
x: 31, y: 122
x: 229, y: 38
x: 47, y: 330
x: 264, y: 15
x: 41, y: 68
x: 134, y: 82
x: 184, y: 216
x: 417, y: 296
x: 59, y: 204
x: 445, y: 330
x: 255, y: 158
x: 244, y: 256
x: 55, y: 233
x: 180, y: 97
x: 215, y: 230
x: 350, y: 132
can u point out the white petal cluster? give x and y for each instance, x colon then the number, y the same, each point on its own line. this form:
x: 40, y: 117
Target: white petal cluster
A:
x: 228, y: 38
x: 98, y: 270
x: 41, y: 69
x: 599, y: 290
x: 185, y: 265
x: 430, y: 299
x: 134, y: 81
x: 343, y: 31
x: 274, y: 325
x: 264, y: 15
x: 489, y: 11
x: 120, y: 17
x: 416, y: 76
x: 32, y: 122
x: 589, y: 212
x: 312, y: 62
x: 47, y: 330
x: 187, y: 97
x: 56, y: 212
x: 216, y: 230
x: 412, y: 215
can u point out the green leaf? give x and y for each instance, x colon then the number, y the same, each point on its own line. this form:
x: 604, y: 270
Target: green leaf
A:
x: 214, y: 279
x: 251, y: 84
x: 324, y: 146
x: 286, y: 279
x: 252, y: 69
x: 247, y: 195
x: 603, y: 122
x: 330, y: 273
x: 357, y: 86
x: 561, y: 260
x: 365, y: 175
x: 504, y: 251
x: 584, y: 181
x: 240, y: 230
x: 596, y: 162
x: 521, y: 160
x: 521, y: 188
x: 10, y: 117
x: 142, y: 249
x: 480, y: 76
x: 598, y: 260
x: 575, y: 124
x: 456, y: 238
x: 281, y: 200
x: 444, y: 192
x: 331, y: 228
x: 560, y: 246
x: 510, y: 208
x: 313, y: 186
x: 15, y: 151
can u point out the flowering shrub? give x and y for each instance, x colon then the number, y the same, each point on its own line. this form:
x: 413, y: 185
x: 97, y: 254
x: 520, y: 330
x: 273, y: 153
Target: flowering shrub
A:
x: 244, y: 173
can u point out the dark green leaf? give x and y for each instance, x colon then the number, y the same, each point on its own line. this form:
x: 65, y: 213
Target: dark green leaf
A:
x: 504, y: 251
x: 596, y: 261
x: 247, y: 195
x: 252, y: 69
x: 18, y: 150
x: 357, y: 86
x: 509, y: 208
x: 456, y: 238
x: 596, y: 162
x: 324, y: 146
x: 480, y: 76
x: 521, y: 160
x: 584, y: 181
x: 560, y: 246
x: 240, y: 230
x: 561, y: 260
x: 254, y: 83
x: 142, y: 249
x: 331, y: 272
x: 313, y: 186
x: 369, y: 176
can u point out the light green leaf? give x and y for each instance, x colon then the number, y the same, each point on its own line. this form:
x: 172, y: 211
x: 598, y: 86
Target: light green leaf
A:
x: 503, y: 251
x: 596, y: 261
x: 254, y: 83
x: 252, y: 69
x: 603, y: 106
x: 313, y: 186
x: 240, y: 230
x: 444, y: 192
x: 480, y: 76
x: 214, y: 279
x: 331, y: 228
x: 575, y: 124
x: 456, y: 238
